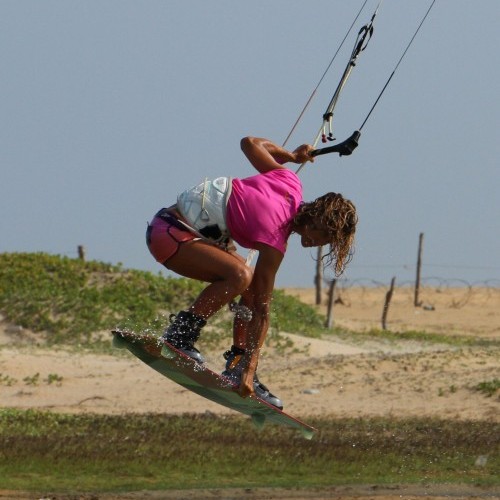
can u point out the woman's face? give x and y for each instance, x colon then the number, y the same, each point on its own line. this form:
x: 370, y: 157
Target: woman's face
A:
x: 314, y: 235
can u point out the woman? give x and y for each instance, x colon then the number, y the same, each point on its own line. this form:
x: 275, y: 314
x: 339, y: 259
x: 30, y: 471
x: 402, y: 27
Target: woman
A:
x: 194, y: 239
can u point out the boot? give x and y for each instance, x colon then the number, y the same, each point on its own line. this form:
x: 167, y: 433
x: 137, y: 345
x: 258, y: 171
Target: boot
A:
x: 234, y: 369
x: 183, y: 332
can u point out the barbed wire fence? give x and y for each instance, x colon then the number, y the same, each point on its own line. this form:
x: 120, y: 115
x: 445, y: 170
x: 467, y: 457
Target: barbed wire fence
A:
x: 458, y: 292
x: 463, y: 291
x: 368, y: 293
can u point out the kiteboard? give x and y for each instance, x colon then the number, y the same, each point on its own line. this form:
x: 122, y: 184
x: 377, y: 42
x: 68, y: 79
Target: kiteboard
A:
x: 183, y: 370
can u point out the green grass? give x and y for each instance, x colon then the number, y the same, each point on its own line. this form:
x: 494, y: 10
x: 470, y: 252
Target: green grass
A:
x: 70, y: 300
x: 489, y: 387
x: 40, y: 450
x: 418, y: 336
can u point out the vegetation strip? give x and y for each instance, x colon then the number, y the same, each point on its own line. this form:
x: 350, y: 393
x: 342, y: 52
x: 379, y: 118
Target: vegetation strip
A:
x: 70, y: 300
x: 132, y: 452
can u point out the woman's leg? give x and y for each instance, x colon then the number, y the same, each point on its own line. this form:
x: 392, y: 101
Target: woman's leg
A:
x: 227, y: 274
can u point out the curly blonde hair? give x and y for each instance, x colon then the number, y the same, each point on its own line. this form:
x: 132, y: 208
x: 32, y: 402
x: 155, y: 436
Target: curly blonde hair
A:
x: 339, y: 216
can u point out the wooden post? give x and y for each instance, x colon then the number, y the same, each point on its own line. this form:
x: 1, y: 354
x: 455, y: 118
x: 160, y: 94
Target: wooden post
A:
x: 329, y: 314
x: 318, y: 279
x: 416, y: 301
x: 81, y: 252
x: 388, y: 297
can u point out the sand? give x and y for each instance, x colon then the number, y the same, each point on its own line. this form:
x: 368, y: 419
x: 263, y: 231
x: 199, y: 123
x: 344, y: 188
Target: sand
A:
x: 328, y: 376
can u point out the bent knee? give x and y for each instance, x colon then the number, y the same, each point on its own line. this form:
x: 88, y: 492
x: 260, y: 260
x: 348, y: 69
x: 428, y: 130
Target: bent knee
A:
x: 241, y: 278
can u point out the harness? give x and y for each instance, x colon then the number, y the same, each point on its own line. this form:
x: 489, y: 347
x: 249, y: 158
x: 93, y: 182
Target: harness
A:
x: 204, y: 208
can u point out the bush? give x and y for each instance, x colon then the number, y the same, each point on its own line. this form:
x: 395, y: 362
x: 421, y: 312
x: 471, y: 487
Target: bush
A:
x: 70, y: 299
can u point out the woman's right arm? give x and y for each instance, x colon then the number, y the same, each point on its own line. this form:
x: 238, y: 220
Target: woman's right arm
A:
x: 264, y: 155
x: 259, y: 295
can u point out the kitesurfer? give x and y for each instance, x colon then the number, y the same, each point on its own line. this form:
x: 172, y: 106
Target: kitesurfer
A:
x: 194, y: 238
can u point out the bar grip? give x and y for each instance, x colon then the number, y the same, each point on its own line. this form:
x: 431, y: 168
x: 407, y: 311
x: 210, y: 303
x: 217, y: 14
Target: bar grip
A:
x: 344, y: 148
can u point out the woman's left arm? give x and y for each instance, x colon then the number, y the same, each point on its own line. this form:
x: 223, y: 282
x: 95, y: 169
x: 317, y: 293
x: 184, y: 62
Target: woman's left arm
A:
x: 259, y: 296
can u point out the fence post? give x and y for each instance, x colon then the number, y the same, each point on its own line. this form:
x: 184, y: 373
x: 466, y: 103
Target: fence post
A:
x: 329, y: 314
x: 388, y: 297
x: 81, y: 252
x: 318, y: 279
x: 416, y: 301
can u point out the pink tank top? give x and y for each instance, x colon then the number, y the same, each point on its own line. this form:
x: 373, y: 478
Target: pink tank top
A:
x: 260, y: 207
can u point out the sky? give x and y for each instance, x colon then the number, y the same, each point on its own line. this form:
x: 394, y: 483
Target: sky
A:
x: 110, y: 108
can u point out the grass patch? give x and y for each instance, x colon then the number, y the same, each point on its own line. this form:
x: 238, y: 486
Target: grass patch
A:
x: 415, y: 335
x: 69, y: 300
x: 41, y: 450
x: 489, y: 387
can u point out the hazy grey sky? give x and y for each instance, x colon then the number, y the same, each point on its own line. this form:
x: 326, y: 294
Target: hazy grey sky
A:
x: 109, y: 108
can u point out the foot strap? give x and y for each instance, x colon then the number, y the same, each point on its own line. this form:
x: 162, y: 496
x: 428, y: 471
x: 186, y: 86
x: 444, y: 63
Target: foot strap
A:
x: 236, y: 351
